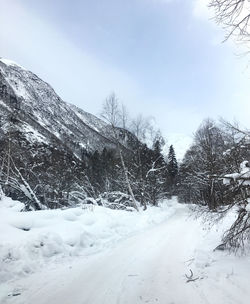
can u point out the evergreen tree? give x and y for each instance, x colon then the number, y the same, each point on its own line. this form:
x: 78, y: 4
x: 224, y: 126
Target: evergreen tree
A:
x: 96, y: 171
x: 172, y: 171
x: 155, y: 175
x: 172, y: 164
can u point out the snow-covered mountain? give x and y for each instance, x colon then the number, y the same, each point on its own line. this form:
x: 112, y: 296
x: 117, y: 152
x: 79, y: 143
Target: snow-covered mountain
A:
x: 47, y: 144
x: 44, y: 117
x: 50, y: 149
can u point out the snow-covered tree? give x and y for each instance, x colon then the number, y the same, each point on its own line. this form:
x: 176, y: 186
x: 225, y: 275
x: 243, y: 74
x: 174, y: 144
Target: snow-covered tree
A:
x: 111, y: 114
x: 156, y: 174
x: 203, y: 160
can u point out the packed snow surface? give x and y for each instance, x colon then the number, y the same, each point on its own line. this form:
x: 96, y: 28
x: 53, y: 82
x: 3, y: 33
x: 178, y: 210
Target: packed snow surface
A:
x: 96, y: 255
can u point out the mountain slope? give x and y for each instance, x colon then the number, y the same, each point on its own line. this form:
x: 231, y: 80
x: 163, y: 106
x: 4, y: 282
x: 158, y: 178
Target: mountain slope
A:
x: 46, y: 144
x: 43, y: 116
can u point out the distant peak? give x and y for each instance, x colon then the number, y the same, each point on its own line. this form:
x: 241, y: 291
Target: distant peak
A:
x: 10, y: 63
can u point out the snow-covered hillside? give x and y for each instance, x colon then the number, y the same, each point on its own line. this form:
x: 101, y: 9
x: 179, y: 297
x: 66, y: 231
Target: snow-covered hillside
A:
x: 43, y: 116
x: 97, y: 255
x: 49, y: 142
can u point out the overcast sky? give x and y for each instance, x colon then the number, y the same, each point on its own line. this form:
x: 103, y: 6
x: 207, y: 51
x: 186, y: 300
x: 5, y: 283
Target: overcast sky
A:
x: 163, y: 58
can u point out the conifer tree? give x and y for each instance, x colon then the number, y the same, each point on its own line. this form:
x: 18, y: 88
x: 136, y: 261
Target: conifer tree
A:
x: 172, y: 163
x: 155, y: 175
x: 172, y: 168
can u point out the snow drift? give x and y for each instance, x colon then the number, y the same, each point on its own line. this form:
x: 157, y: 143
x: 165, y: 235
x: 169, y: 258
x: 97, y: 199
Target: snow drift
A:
x: 29, y: 240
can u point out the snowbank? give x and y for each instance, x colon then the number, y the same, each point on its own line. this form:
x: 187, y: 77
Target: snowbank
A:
x: 29, y: 240
x: 223, y: 276
x: 150, y: 266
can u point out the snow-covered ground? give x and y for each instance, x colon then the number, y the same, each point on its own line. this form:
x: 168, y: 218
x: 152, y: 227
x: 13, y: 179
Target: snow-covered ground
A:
x: 97, y: 256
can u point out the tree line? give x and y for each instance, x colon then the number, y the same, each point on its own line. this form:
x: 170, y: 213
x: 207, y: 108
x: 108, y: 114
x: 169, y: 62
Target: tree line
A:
x: 141, y: 171
x: 44, y: 176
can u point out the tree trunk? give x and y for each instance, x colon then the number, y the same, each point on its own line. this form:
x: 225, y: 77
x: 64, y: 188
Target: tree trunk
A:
x: 128, y: 182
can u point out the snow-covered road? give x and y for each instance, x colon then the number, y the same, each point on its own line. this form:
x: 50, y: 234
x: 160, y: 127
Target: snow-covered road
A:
x: 148, y: 267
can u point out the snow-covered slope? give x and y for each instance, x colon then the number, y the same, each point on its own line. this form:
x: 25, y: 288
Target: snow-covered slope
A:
x: 43, y: 116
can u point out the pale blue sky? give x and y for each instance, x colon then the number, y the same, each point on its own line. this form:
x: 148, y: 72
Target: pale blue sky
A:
x: 162, y: 57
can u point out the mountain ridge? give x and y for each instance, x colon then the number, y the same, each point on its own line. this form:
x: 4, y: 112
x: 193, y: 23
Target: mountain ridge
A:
x: 37, y: 103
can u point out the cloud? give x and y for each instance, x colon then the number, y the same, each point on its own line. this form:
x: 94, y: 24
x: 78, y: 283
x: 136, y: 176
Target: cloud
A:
x: 163, y: 1
x: 77, y: 75
x: 201, y: 10
x: 85, y: 79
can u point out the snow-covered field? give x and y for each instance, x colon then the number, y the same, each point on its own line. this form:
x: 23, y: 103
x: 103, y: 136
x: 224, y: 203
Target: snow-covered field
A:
x: 97, y: 255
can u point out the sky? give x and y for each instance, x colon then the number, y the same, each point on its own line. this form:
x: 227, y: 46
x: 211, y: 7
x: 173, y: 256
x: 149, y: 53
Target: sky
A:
x: 162, y: 58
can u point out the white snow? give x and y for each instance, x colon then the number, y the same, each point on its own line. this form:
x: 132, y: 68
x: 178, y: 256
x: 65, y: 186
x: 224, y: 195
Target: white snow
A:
x: 4, y: 105
x: 29, y: 240
x: 248, y: 205
x: 83, y: 145
x: 11, y: 63
x: 32, y: 134
x: 243, y: 177
x: 97, y: 256
x: 18, y: 87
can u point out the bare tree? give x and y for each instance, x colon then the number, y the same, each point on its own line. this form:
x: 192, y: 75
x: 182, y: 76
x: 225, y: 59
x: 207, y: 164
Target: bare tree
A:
x: 203, y: 160
x: 237, y: 180
x: 124, y: 117
x: 141, y: 127
x: 11, y: 176
x: 234, y: 15
x: 239, y: 190
x: 110, y: 110
x: 216, y: 173
x: 111, y: 113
